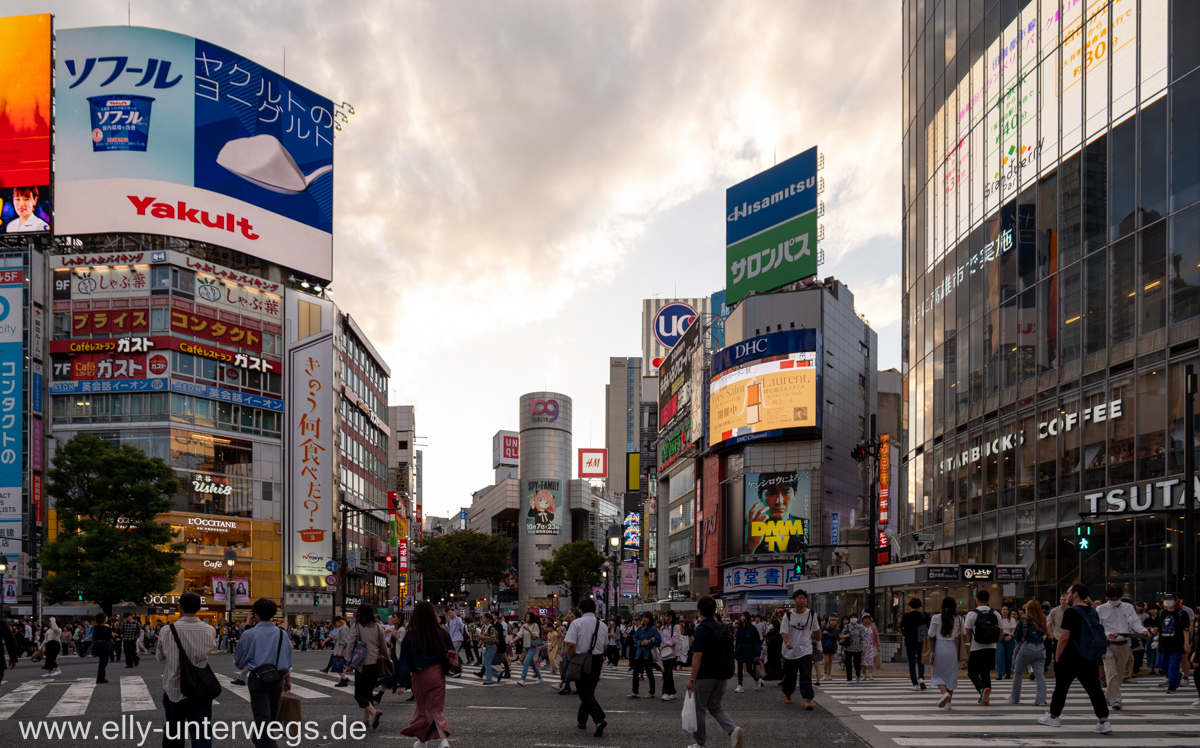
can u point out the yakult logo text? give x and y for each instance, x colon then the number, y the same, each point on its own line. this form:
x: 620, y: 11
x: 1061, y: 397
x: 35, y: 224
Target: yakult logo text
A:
x: 182, y: 212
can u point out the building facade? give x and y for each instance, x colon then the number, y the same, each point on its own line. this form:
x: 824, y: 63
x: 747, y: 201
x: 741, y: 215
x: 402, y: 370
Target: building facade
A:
x: 1051, y: 289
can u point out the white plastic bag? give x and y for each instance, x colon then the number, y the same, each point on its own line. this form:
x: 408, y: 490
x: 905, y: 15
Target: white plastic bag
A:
x: 689, y: 713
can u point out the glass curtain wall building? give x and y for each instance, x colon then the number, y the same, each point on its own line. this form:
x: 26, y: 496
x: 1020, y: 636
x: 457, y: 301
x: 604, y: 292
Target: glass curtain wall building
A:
x: 1052, y: 283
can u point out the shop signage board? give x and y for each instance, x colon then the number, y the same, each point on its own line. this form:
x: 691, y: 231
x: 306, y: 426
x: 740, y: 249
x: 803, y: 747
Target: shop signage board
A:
x: 1010, y: 573
x: 977, y: 573
x: 941, y: 573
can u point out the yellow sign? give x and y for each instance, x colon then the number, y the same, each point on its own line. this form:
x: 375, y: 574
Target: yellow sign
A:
x: 762, y: 397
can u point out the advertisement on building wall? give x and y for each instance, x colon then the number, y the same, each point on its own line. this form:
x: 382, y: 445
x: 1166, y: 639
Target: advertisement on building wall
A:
x: 308, y: 441
x: 593, y: 463
x: 160, y: 133
x: 630, y: 585
x: 633, y: 530
x: 544, y: 506
x: 664, y: 321
x: 12, y: 359
x: 885, y: 479
x: 771, y: 227
x: 778, y: 507
x: 25, y: 116
x: 765, y: 398
x: 240, y: 586
x: 506, y: 449
x: 757, y: 577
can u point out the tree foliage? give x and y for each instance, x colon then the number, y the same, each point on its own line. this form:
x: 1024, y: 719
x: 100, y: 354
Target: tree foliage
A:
x: 575, y: 567
x: 468, y: 557
x: 108, y: 543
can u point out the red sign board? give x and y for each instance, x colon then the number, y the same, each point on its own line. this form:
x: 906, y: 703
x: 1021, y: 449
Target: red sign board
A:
x: 36, y: 486
x: 209, y: 328
x: 885, y: 479
x: 110, y: 322
x: 593, y: 463
x: 512, y: 447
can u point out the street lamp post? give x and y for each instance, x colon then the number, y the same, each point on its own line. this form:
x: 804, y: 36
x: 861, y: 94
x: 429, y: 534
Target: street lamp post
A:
x: 614, y: 543
x: 230, y: 560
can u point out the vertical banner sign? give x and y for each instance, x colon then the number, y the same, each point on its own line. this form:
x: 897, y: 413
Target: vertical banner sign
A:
x: 402, y: 556
x: 885, y: 483
x: 36, y: 440
x: 543, y: 506
x: 629, y: 578
x: 883, y: 554
x: 12, y: 356
x: 35, y: 491
x: 310, y: 488
x: 835, y: 527
x: 392, y: 519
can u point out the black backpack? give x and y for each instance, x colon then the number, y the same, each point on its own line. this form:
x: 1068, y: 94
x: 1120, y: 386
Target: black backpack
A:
x: 723, y: 641
x: 987, y: 627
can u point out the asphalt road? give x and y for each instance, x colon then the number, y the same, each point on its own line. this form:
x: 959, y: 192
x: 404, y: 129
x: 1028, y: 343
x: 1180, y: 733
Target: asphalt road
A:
x: 130, y: 707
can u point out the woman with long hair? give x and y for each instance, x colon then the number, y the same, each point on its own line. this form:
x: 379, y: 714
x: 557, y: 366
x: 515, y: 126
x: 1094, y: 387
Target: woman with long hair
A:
x: 646, y: 639
x: 423, y: 665
x: 829, y: 645
x: 1007, y: 646
x: 368, y: 630
x: 871, y: 646
x: 531, y: 644
x: 748, y: 648
x: 669, y: 651
x: 945, y: 628
x: 1030, y: 635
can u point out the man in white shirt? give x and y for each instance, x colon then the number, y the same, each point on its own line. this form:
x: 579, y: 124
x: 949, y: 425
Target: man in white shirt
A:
x: 456, y: 629
x: 198, y: 639
x: 983, y: 630
x: 799, y: 627
x: 1119, y: 619
x: 587, y: 631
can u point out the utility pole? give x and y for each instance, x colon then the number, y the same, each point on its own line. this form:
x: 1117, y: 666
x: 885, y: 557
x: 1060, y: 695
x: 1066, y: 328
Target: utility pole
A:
x: 1189, y: 477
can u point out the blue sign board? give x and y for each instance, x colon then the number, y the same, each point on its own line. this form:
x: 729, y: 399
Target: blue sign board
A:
x: 108, y: 385
x: 771, y: 344
x: 771, y: 197
x: 36, y: 393
x: 12, y: 363
x: 835, y: 526
x: 227, y: 396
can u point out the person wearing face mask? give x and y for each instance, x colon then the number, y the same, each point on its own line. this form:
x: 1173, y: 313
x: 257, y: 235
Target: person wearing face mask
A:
x: 1120, y: 620
x: 852, y: 640
x: 1173, y: 640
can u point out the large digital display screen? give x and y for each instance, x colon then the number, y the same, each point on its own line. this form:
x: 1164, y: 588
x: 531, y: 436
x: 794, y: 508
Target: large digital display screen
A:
x: 771, y: 227
x: 764, y: 397
x: 25, y: 114
x: 160, y: 133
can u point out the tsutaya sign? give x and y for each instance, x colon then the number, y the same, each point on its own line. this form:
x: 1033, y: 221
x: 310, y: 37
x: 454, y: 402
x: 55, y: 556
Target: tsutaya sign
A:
x: 1060, y: 425
x: 1157, y: 496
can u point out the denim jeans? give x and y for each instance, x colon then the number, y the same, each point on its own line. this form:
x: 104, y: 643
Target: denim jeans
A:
x: 530, y: 658
x: 1004, y: 656
x: 1170, y: 663
x: 489, y: 652
x: 916, y: 668
x: 1032, y: 655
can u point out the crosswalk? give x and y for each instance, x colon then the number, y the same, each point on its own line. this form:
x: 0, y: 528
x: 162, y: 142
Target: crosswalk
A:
x: 889, y: 712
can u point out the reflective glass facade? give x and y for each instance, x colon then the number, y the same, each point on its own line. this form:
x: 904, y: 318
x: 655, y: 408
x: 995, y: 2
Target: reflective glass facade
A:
x: 1052, y: 282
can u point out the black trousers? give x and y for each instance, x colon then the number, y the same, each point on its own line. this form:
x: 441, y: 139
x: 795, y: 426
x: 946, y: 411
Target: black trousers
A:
x: 853, y: 662
x: 586, y: 688
x: 130, y: 652
x: 643, y: 666
x: 1069, y: 668
x: 101, y: 648
x: 668, y: 668
x: 798, y: 669
x: 979, y: 668
x: 52, y: 650
x: 264, y: 705
x: 184, y: 720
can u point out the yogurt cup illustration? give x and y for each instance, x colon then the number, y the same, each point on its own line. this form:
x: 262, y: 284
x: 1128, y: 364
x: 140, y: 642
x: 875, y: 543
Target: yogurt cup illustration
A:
x: 264, y: 161
x: 120, y: 122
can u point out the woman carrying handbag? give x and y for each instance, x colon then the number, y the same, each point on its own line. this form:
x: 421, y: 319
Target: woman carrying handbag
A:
x: 669, y: 652
x: 424, y: 662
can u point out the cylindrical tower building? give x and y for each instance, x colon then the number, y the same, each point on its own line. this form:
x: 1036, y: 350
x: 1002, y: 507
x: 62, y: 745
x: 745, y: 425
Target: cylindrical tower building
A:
x: 544, y: 522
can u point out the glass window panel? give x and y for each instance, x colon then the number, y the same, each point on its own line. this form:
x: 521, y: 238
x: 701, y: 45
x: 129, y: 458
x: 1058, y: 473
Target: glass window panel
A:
x: 1185, y: 265
x: 1153, y: 47
x: 1185, y: 30
x: 1096, y: 302
x: 1048, y: 73
x: 1071, y: 207
x: 1096, y: 55
x: 1122, y: 257
x: 1151, y: 414
x: 1095, y: 195
x: 1121, y: 445
x: 1068, y: 448
x: 1095, y: 451
x: 1122, y: 215
x: 1152, y: 280
x: 1152, y: 162
x: 1124, y: 56
x: 1072, y: 313
x: 1176, y: 412
x: 1185, y: 146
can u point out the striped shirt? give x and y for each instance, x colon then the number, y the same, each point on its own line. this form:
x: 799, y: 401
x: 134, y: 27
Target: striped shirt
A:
x: 198, y: 640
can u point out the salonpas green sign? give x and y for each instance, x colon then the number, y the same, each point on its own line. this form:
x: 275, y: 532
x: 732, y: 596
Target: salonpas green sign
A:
x: 774, y: 258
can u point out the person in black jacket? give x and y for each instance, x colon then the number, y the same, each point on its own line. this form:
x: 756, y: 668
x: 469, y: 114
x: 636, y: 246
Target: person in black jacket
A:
x: 10, y: 644
x: 423, y: 665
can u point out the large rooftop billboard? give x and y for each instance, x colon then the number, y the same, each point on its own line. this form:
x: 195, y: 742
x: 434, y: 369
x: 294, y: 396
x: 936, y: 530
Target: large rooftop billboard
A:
x: 25, y: 124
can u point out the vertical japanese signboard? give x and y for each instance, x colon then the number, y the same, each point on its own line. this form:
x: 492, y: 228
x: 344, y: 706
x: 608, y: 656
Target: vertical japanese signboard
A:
x: 12, y: 462
x: 309, y: 488
x: 885, y: 482
x: 161, y: 133
x: 25, y: 124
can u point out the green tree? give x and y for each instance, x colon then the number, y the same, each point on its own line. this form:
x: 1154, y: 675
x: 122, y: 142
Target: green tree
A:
x: 575, y: 567
x: 468, y: 557
x: 108, y: 543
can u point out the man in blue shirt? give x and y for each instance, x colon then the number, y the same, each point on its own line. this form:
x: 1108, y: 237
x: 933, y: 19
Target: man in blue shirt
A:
x: 262, y: 645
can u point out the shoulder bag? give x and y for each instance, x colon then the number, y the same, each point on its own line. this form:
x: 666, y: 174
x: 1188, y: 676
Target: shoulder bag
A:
x: 580, y: 665
x: 359, y: 653
x: 268, y: 674
x: 195, y: 682
x: 387, y: 668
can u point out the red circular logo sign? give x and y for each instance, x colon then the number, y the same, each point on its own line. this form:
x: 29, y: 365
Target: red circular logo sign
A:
x: 158, y: 365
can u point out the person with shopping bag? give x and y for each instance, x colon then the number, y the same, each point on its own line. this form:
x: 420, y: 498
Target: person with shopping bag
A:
x: 712, y: 667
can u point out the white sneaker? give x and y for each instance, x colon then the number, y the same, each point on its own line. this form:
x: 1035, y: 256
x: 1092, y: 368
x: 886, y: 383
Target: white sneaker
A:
x: 739, y: 689
x: 1049, y: 721
x: 916, y: 687
x: 444, y: 744
x: 870, y: 677
x: 695, y: 745
x: 758, y: 685
x: 56, y: 672
x: 737, y: 738
x: 520, y: 683
x: 45, y: 675
x: 1196, y: 702
x: 418, y: 744
x: 1103, y: 728
x: 942, y: 702
x: 1164, y: 682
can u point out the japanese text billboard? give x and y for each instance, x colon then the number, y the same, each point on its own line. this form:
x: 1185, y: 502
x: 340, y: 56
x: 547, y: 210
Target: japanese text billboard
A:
x: 25, y: 113
x: 771, y: 227
x: 544, y: 506
x: 775, y: 386
x: 12, y: 355
x: 309, y: 490
x: 777, y: 511
x: 161, y: 133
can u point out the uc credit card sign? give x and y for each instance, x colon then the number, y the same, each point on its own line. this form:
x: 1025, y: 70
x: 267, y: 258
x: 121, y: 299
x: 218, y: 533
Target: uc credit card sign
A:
x: 771, y: 227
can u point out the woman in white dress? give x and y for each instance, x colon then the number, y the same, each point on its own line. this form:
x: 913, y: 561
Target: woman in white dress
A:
x: 945, y: 628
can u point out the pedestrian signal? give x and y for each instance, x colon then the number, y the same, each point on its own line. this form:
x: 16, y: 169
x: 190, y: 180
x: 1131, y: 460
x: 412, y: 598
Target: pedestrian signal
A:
x: 799, y: 567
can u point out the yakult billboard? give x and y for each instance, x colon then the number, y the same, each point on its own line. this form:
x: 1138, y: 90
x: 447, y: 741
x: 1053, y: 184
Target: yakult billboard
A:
x: 160, y: 133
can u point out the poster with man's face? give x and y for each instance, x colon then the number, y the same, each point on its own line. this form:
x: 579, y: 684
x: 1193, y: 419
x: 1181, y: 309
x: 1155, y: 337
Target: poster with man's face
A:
x: 777, y: 511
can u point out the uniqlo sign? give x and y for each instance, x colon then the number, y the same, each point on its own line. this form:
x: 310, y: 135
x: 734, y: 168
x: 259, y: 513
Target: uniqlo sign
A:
x: 593, y: 463
x: 402, y: 556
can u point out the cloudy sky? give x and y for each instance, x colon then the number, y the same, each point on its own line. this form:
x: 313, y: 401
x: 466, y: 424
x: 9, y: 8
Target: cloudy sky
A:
x: 518, y: 176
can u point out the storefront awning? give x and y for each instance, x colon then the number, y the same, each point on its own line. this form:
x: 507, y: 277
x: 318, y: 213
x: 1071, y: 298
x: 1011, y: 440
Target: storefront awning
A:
x: 889, y: 575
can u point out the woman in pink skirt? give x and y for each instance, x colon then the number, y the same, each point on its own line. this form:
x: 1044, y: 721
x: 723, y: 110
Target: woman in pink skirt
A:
x: 423, y: 665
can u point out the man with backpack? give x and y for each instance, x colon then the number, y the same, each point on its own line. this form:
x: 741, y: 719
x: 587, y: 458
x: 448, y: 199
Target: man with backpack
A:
x: 1080, y: 649
x: 983, y: 631
x: 712, y: 667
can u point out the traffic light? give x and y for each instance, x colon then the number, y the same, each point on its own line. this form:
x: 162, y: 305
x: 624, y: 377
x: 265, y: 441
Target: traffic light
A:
x: 859, y: 452
x: 384, y: 558
x: 799, y: 565
x: 79, y: 595
x: 316, y: 600
x: 1083, y: 537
